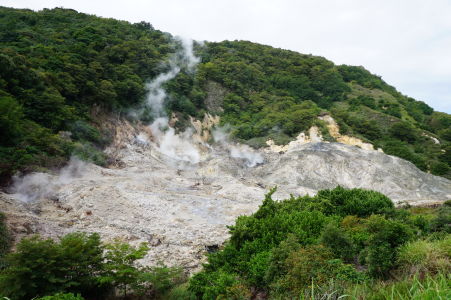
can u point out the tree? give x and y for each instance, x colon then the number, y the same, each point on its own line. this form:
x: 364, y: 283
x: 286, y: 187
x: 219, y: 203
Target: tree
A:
x: 82, y: 260
x: 11, y: 120
x: 120, y: 265
x: 5, y: 239
x: 404, y: 131
x: 386, y: 237
x: 33, y: 270
x: 42, y: 267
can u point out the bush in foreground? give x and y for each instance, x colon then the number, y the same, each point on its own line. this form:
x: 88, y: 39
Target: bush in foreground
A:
x: 331, y: 242
x: 80, y: 264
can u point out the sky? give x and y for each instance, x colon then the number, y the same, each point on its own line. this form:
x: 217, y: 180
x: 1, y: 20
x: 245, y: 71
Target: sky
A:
x: 407, y: 42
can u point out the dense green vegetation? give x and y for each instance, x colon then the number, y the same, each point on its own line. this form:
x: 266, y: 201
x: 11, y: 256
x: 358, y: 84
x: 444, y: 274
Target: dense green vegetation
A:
x: 56, y: 67
x: 79, y: 264
x: 340, y: 242
x: 61, y: 71
x: 352, y: 244
x: 5, y: 239
x: 271, y: 92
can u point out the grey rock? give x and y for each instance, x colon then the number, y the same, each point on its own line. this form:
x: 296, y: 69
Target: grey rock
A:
x: 184, y: 212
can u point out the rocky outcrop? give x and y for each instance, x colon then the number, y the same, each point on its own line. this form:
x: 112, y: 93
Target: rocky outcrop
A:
x: 313, y: 137
x: 203, y: 128
x: 316, y: 166
x: 215, y: 97
x: 334, y: 131
x: 182, y: 210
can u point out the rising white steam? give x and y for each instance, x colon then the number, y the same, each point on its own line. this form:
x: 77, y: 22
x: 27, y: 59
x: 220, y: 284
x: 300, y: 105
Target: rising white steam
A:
x: 43, y: 185
x: 176, y: 146
x: 250, y: 157
x: 180, y: 147
x: 157, y: 95
x: 190, y: 59
x: 221, y: 134
x: 142, y: 140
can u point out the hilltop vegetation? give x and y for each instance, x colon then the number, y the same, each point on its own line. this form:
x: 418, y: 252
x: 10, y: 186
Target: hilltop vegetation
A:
x: 273, y: 92
x: 58, y: 67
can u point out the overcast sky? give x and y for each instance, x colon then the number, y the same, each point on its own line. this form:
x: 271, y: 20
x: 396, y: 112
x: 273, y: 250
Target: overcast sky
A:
x: 407, y: 42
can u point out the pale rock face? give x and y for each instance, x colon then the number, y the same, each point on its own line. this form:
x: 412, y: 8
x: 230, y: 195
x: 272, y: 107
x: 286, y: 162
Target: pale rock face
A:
x: 334, y: 131
x: 180, y: 208
x: 435, y: 140
x: 313, y: 137
x: 203, y: 128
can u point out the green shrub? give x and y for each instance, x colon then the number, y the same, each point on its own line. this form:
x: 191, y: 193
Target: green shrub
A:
x: 307, y: 265
x: 61, y: 296
x: 181, y: 292
x: 212, y: 285
x: 159, y: 280
x: 82, y: 131
x: 5, y: 239
x: 337, y: 241
x: 41, y: 267
x: 355, y: 202
x: 442, y: 220
x: 439, y: 168
x: 385, y: 237
x: 285, y: 245
x: 88, y: 152
x: 425, y: 256
x: 277, y: 264
x: 404, y: 131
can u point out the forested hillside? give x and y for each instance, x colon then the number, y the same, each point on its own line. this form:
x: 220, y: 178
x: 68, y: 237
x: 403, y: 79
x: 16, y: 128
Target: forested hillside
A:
x: 274, y: 92
x: 57, y: 66
x: 65, y: 76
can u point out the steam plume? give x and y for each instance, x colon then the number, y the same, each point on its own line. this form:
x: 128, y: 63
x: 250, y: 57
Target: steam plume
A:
x: 43, y: 185
x: 175, y: 146
x: 250, y: 156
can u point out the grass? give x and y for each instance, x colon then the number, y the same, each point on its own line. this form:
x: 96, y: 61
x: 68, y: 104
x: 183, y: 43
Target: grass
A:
x: 436, y: 287
x: 426, y: 256
x: 430, y: 288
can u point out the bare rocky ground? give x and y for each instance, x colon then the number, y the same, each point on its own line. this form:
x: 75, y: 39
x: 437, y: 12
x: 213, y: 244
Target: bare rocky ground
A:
x: 181, y: 209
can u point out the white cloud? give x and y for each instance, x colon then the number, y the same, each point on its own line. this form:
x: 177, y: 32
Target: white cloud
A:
x: 406, y: 42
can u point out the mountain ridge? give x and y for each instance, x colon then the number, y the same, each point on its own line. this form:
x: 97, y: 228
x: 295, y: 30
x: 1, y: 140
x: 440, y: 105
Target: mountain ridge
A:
x: 59, y: 65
